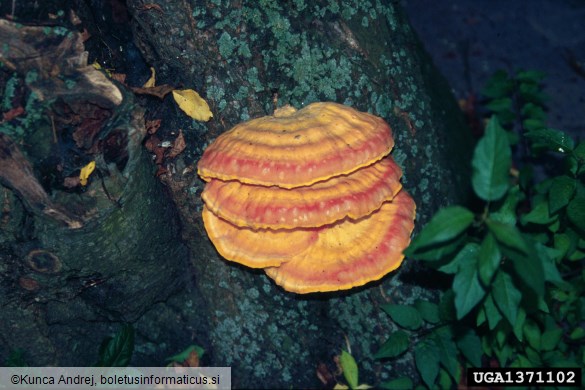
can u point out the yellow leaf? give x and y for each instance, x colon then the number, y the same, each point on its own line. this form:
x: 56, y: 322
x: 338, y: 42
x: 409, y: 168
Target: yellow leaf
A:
x: 85, y: 172
x: 341, y: 387
x: 193, y: 104
x: 152, y: 80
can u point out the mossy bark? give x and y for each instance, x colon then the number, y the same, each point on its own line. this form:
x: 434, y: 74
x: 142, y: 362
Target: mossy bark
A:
x: 76, y: 258
x: 245, y: 58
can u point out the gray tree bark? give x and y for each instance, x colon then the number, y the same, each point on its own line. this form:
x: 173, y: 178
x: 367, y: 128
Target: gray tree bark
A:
x: 74, y: 260
x: 244, y: 58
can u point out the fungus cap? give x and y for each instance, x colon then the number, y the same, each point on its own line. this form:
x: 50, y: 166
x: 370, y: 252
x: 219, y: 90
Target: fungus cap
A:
x: 351, y: 253
x: 339, y: 256
x: 297, y: 148
x: 354, y: 195
x: 255, y: 249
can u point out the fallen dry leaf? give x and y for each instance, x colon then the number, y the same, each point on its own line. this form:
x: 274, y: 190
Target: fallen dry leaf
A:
x: 160, y: 92
x: 150, y: 83
x: 192, y: 104
x: 152, y: 126
x: 11, y: 114
x: 151, y: 143
x: 192, y: 360
x: 119, y: 77
x: 325, y: 375
x: 178, y: 145
x: 148, y: 7
x: 160, y: 171
x: 85, y: 172
x: 85, y: 35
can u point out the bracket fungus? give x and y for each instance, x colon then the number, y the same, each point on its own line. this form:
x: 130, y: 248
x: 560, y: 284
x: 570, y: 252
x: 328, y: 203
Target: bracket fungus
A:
x: 311, y: 196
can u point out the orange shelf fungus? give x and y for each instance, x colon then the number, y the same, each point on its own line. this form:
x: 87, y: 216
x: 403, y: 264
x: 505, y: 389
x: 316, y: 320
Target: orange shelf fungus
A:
x: 297, y: 148
x: 322, y: 203
x: 255, y: 248
x: 310, y: 196
x: 351, y: 253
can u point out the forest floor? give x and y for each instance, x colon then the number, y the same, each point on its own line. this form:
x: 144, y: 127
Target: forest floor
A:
x: 469, y: 40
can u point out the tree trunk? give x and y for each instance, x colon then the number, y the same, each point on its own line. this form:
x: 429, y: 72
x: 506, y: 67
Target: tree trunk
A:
x: 245, y: 58
x: 242, y: 57
x: 74, y: 254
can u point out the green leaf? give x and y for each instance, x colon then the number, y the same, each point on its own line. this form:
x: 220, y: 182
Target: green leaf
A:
x: 499, y: 85
x: 486, y: 345
x: 533, y: 356
x: 550, y: 339
x: 184, y: 355
x: 506, y: 212
x: 429, y: 311
x: 576, y: 211
x: 528, y: 267
x: 577, y: 256
x: 481, y: 317
x: 532, y: 333
x: 491, y: 163
x: 447, y: 306
x: 488, y: 259
x: 470, y: 346
x: 396, y: 344
x: 577, y: 334
x: 503, y: 354
x: 551, y: 139
x: 117, y: 351
x: 533, y: 124
x: 533, y: 111
x: 530, y: 76
x: 561, y: 192
x: 506, y: 296
x: 507, y: 235
x: 439, y: 252
x: 398, y: 384
x: 563, y: 244
x: 443, y: 337
x: 467, y: 288
x: 446, y: 224
x: 531, y: 92
x: 405, y: 316
x: 551, y: 273
x: 350, y: 369
x: 521, y: 362
x: 519, y: 324
x: 426, y: 357
x: 538, y: 215
x: 470, y: 250
x: 445, y: 379
x: 503, y: 104
x: 579, y: 151
x: 521, y: 253
x: 491, y: 311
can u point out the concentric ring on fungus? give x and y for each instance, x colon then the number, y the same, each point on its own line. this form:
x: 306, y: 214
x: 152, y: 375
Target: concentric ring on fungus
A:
x: 310, y: 196
x: 354, y: 195
x: 297, y: 148
x: 351, y: 253
x: 340, y: 256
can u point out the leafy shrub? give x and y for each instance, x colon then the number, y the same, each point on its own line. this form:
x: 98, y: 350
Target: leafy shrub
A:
x: 517, y: 294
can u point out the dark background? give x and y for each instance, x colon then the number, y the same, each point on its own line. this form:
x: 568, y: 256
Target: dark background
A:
x: 470, y: 39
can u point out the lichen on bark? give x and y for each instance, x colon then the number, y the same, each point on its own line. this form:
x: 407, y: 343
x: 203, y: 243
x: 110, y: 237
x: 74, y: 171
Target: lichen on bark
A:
x: 246, y: 58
